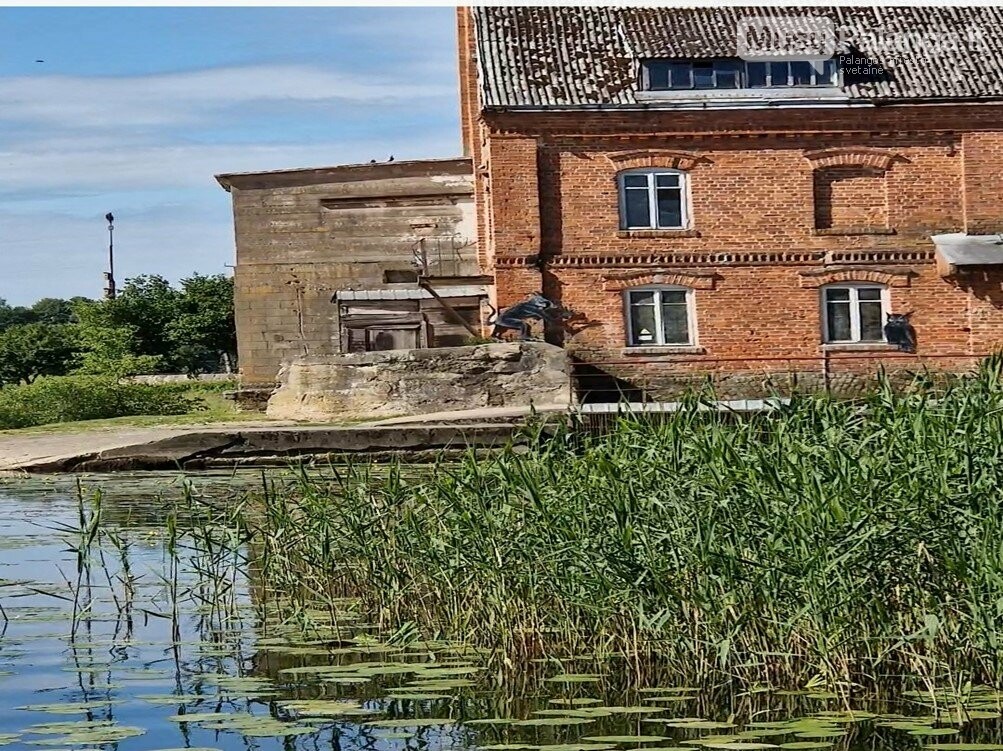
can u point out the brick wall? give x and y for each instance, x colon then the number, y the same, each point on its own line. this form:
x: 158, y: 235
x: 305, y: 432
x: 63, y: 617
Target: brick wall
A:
x: 983, y: 181
x: 782, y: 202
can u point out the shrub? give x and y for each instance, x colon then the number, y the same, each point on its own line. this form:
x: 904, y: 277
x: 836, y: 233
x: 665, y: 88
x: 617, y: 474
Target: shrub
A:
x: 70, y: 398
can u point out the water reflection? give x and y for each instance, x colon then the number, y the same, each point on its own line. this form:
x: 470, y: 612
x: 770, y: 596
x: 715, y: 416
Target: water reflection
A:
x: 125, y: 625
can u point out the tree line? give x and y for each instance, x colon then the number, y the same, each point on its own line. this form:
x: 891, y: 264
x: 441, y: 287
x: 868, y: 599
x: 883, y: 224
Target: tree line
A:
x: 150, y: 327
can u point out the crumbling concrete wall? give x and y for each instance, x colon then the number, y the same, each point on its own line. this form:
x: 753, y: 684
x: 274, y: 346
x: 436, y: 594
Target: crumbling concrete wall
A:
x: 413, y: 382
x: 302, y: 235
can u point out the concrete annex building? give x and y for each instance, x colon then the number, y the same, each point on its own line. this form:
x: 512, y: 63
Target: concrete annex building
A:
x: 703, y: 213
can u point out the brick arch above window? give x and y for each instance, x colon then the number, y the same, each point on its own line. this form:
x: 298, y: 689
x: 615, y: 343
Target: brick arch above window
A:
x: 681, y: 160
x: 852, y: 156
x: 890, y: 278
x: 655, y: 277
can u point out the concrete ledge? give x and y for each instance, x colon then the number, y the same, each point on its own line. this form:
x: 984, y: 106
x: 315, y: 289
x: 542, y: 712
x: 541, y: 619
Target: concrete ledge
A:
x: 202, y: 448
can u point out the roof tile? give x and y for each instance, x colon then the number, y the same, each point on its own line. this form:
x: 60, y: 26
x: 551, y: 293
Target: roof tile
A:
x: 588, y: 56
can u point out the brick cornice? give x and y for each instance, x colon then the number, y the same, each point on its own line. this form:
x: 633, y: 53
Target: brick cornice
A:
x: 670, y: 159
x: 888, y: 277
x: 851, y: 156
x: 696, y: 259
x: 678, y: 277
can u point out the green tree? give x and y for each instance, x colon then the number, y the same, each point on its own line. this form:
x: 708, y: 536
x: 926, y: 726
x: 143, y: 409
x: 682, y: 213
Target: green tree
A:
x: 203, y: 333
x: 30, y: 350
x: 147, y: 305
x: 13, y: 316
x: 108, y: 347
x: 52, y: 310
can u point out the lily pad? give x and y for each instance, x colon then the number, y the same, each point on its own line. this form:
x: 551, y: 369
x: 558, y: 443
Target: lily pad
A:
x: 618, y: 739
x: 696, y: 724
x: 412, y: 722
x: 70, y: 707
x: 322, y: 708
x: 574, y: 678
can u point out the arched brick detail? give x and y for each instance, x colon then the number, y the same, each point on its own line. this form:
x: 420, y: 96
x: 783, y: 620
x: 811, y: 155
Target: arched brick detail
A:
x: 692, y: 279
x: 850, y: 156
x: 681, y: 160
x: 822, y: 277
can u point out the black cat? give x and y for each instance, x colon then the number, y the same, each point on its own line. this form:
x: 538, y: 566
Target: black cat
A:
x: 899, y: 331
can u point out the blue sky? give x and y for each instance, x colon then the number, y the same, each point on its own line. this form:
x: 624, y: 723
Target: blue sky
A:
x: 135, y: 109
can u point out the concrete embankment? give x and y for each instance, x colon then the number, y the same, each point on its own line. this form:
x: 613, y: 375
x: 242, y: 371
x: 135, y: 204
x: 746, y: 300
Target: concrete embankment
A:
x: 195, y: 448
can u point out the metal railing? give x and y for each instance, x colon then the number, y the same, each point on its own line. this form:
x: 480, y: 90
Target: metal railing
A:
x: 646, y: 379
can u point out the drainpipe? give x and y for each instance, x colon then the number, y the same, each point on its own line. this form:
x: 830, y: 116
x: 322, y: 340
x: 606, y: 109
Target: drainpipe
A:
x: 825, y: 370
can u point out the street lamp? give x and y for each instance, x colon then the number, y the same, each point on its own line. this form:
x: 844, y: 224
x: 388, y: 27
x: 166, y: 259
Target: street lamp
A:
x: 109, y: 276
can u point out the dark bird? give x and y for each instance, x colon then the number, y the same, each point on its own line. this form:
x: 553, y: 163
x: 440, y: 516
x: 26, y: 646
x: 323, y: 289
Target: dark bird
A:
x: 40, y: 61
x: 372, y: 161
x: 899, y: 331
x: 391, y: 158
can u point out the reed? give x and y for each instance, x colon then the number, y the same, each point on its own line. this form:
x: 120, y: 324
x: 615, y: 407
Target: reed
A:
x: 827, y: 543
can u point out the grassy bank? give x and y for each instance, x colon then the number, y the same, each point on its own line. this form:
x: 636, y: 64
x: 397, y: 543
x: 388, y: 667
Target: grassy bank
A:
x: 834, y: 542
x: 61, y: 401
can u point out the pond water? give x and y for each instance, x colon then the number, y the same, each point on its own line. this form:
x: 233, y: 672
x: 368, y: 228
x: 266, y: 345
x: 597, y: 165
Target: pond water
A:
x: 136, y: 634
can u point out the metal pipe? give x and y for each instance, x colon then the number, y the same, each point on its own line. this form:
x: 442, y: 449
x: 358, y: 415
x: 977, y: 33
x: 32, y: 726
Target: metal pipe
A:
x: 837, y: 358
x: 425, y: 285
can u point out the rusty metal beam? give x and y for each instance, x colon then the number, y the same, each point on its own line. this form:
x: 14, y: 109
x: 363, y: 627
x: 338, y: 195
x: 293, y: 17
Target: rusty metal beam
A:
x: 424, y: 284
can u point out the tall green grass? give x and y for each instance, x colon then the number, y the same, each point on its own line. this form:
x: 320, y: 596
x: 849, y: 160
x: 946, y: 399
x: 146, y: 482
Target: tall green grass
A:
x: 835, y: 542
x: 57, y: 399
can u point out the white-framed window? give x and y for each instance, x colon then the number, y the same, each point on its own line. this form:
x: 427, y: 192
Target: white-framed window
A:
x: 653, y: 199
x: 854, y: 312
x: 660, y: 316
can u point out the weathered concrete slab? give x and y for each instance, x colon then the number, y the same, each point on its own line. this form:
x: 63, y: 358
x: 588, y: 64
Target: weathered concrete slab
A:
x: 195, y: 447
x: 398, y: 383
x: 483, y: 415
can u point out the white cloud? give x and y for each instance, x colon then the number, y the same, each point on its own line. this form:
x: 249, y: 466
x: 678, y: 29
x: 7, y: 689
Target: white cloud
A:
x: 194, y: 96
x: 108, y: 166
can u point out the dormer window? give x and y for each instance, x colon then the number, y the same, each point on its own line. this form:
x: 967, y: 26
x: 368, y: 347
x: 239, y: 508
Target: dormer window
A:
x: 733, y: 73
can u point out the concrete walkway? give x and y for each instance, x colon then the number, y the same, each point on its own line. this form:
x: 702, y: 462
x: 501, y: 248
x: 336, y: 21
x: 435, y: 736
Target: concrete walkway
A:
x: 238, y: 444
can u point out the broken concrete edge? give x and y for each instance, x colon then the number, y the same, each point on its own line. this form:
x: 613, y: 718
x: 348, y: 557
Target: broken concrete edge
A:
x: 393, y: 384
x: 418, y: 444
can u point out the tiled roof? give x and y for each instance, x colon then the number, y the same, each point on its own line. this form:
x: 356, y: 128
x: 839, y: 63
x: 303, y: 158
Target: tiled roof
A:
x: 588, y: 56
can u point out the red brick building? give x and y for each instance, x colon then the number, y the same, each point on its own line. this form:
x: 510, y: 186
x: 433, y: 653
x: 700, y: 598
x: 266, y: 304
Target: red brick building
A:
x: 755, y: 220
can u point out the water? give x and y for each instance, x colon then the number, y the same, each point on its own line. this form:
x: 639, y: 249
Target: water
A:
x: 144, y: 650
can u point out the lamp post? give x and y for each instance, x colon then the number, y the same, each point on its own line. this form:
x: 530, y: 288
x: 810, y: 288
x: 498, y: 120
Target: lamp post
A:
x: 109, y: 277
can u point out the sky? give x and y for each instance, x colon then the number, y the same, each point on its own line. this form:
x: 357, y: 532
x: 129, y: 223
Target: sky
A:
x: 135, y: 109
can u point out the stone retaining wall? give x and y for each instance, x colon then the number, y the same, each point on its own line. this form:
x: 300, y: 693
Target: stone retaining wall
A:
x: 393, y: 383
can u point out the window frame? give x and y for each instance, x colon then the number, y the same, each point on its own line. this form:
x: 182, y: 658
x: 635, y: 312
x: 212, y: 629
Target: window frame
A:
x: 854, y: 303
x: 652, y: 173
x: 691, y: 316
x: 741, y: 68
